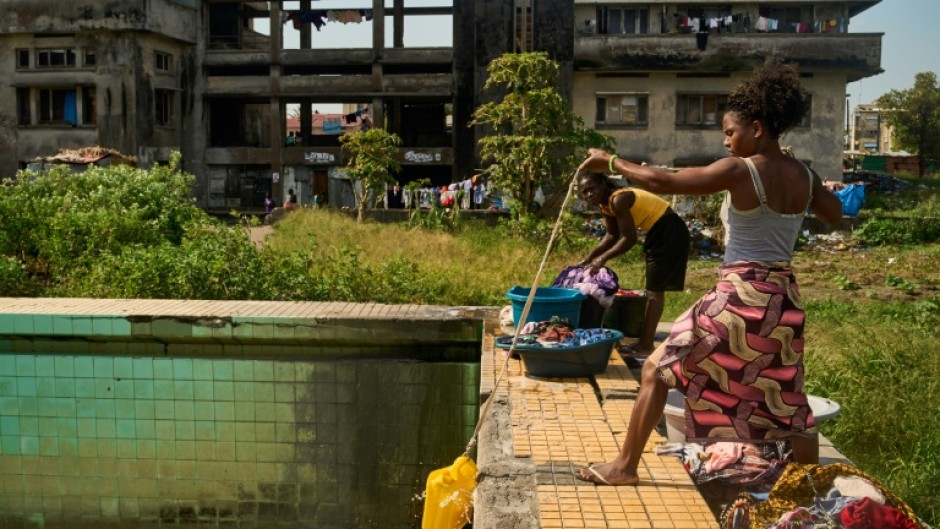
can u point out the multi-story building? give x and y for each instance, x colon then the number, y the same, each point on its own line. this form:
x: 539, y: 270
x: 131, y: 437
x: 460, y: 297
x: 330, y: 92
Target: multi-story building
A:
x: 870, y: 132
x: 116, y: 74
x: 227, y: 82
x: 656, y: 74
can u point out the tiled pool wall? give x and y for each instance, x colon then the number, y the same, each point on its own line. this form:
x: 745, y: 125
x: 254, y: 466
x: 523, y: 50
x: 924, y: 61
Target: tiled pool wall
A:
x: 145, y: 438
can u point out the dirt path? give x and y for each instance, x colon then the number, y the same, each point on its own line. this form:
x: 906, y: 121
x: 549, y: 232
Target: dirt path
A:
x: 257, y: 234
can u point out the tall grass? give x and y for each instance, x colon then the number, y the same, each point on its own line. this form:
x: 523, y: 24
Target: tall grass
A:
x: 880, y: 362
x: 474, y: 266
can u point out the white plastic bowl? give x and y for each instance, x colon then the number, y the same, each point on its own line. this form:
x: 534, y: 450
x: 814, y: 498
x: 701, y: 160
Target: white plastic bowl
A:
x: 823, y: 410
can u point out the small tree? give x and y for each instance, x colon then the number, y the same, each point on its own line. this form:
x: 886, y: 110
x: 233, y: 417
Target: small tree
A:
x: 372, y: 156
x: 915, y: 115
x: 534, y: 137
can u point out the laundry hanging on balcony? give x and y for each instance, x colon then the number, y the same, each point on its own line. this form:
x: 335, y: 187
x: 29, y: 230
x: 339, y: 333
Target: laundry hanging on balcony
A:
x: 319, y: 17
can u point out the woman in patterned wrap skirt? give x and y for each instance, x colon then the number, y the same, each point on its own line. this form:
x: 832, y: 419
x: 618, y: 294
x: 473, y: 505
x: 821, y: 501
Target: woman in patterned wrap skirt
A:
x: 737, y: 353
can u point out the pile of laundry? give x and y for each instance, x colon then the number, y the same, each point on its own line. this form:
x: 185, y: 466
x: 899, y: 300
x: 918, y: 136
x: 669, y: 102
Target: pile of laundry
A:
x: 556, y: 333
x: 831, y: 496
x: 732, y: 463
x: 762, y: 489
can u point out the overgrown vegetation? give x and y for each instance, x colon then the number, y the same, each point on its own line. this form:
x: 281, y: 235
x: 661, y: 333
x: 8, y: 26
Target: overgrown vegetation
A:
x: 125, y: 232
x: 887, y: 380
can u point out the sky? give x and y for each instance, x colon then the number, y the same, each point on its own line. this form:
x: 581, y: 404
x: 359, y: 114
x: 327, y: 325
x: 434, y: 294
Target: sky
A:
x: 911, y: 44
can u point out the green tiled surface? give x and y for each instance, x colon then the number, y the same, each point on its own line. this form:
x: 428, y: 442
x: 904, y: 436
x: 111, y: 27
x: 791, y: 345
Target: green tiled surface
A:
x: 218, y: 440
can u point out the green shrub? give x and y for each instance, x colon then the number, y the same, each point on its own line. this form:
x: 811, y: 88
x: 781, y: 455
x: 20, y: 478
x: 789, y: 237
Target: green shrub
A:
x: 14, y: 281
x: 917, y: 225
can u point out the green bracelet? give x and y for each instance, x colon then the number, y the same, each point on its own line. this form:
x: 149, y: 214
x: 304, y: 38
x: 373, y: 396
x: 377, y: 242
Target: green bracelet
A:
x: 610, y: 163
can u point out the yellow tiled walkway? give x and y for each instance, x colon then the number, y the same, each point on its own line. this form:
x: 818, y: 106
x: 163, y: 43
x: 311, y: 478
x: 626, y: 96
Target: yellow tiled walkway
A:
x: 564, y: 424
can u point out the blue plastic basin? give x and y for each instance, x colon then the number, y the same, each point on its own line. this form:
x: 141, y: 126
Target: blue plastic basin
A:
x: 565, y: 303
x: 578, y: 361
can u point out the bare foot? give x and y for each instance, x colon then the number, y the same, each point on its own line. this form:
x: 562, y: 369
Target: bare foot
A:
x: 607, y: 474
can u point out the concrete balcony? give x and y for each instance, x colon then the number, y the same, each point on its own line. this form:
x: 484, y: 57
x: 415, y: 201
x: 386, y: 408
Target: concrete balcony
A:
x: 331, y: 57
x: 431, y: 85
x: 858, y: 54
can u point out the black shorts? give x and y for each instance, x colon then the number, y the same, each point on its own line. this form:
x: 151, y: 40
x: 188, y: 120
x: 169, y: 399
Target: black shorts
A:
x: 667, y: 253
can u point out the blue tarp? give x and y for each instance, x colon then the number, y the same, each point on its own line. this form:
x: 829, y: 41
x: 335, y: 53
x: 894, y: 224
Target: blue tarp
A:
x: 852, y: 197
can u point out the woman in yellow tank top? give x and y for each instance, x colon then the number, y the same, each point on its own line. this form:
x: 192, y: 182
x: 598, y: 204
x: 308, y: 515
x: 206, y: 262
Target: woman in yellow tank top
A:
x: 625, y: 210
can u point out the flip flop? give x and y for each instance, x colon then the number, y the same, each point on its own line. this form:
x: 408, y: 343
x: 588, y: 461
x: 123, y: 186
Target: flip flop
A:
x: 630, y: 348
x: 600, y: 480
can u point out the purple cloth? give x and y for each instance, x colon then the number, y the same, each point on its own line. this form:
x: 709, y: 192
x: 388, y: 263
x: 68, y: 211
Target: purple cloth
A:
x: 601, y: 286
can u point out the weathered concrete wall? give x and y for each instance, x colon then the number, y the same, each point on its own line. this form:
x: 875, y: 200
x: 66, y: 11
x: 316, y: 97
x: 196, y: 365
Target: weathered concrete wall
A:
x: 859, y: 54
x: 660, y: 143
x: 68, y: 16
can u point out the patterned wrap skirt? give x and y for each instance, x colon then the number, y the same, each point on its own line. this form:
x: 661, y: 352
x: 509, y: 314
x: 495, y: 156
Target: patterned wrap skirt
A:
x: 737, y: 356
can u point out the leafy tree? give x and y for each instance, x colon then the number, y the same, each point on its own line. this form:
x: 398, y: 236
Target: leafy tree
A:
x: 915, y: 115
x: 372, y: 160
x: 534, y: 137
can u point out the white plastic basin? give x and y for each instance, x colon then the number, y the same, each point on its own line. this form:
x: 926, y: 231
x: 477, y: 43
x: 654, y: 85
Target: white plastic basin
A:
x: 823, y: 410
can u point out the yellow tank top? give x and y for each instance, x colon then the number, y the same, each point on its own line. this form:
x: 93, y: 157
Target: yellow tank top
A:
x: 647, y: 207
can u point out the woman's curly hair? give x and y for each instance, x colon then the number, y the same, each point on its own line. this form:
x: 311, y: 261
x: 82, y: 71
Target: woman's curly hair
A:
x: 772, y: 96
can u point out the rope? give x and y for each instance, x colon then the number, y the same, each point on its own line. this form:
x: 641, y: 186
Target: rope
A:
x: 525, y: 314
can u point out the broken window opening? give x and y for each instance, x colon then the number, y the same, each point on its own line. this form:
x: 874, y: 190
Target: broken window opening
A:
x: 327, y: 121
x: 425, y: 124
x: 239, y: 123
x: 23, y: 113
x: 89, y: 57
x: 163, y: 107
x: 22, y: 59
x: 239, y: 26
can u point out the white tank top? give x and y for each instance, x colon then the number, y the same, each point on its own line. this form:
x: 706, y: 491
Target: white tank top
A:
x: 760, y: 234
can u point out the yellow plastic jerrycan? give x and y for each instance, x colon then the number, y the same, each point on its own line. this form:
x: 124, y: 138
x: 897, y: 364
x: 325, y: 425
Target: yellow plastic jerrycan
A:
x: 448, y: 502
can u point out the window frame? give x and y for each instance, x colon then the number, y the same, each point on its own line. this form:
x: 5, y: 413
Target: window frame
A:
x: 46, y: 114
x: 163, y: 108
x: 167, y: 58
x: 70, y: 59
x: 639, y: 14
x: 642, y: 110
x: 24, y: 107
x: 21, y: 54
x: 93, y: 54
x: 720, y: 102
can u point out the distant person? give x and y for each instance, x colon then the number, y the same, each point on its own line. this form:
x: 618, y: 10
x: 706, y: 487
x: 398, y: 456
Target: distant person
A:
x: 291, y: 202
x: 269, y: 203
x: 666, y: 247
x: 395, y: 198
x: 365, y: 124
x: 737, y: 353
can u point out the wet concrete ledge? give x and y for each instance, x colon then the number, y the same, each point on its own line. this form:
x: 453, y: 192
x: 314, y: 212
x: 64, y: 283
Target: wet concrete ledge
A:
x: 236, y: 328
